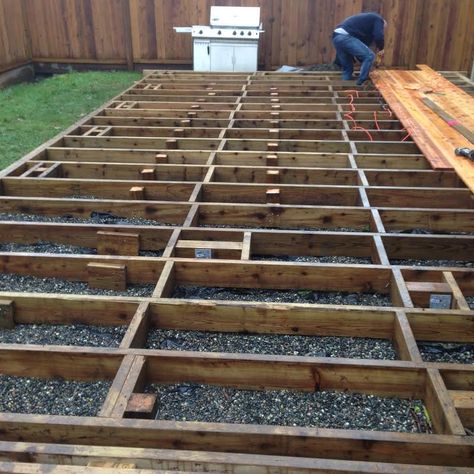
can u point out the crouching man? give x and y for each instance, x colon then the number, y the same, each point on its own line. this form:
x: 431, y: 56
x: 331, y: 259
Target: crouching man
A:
x: 352, y: 39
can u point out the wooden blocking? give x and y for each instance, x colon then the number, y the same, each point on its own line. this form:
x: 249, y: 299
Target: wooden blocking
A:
x: 201, y: 99
x: 274, y: 100
x: 161, y: 158
x: 274, y: 94
x: 246, y: 246
x: 142, y: 405
x: 148, y: 174
x: 107, y: 276
x: 7, y: 314
x: 430, y: 294
x: 275, y: 124
x: 137, y: 193
x: 117, y: 243
x: 274, y: 115
x: 274, y: 133
x: 195, y: 106
x: 273, y: 196
x: 273, y: 89
x: 464, y: 403
x: 272, y: 176
x: 272, y: 146
x: 172, y: 144
x: 192, y: 115
x: 271, y: 160
x: 276, y: 107
x: 186, y: 123
x: 177, y: 132
x: 211, y: 94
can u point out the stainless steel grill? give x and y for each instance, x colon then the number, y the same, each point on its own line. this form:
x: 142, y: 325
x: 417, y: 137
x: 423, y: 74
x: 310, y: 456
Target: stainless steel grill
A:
x: 230, y: 43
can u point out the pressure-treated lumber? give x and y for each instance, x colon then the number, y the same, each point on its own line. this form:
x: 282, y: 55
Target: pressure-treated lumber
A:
x: 406, y: 91
x: 327, y: 210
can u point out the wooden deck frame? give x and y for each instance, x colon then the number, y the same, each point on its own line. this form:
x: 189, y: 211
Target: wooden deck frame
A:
x: 212, y: 160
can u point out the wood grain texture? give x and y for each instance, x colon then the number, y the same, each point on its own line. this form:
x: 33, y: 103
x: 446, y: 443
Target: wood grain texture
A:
x: 434, y: 32
x: 405, y: 91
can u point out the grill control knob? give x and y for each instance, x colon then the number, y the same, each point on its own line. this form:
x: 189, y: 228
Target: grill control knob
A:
x: 234, y: 32
x: 249, y: 33
x: 219, y: 32
x: 201, y: 32
x: 241, y: 33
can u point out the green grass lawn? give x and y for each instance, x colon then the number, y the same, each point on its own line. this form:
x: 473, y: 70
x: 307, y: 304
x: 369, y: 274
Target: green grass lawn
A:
x: 30, y: 114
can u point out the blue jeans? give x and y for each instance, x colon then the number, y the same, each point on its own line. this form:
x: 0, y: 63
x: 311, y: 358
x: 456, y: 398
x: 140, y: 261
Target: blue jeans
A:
x: 348, y: 48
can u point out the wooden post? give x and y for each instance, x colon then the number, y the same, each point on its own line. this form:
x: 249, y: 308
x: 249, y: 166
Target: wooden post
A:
x: 7, y: 314
x: 148, y: 174
x: 161, y: 158
x: 107, y: 276
x: 273, y: 196
x: 141, y: 405
x: 272, y: 160
x: 272, y: 176
x: 172, y: 144
x: 117, y: 243
x: 137, y: 193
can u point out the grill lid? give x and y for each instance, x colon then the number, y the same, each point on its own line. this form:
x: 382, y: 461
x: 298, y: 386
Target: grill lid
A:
x: 237, y: 17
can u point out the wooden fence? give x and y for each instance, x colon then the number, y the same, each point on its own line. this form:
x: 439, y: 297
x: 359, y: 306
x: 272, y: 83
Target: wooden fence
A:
x: 297, y: 32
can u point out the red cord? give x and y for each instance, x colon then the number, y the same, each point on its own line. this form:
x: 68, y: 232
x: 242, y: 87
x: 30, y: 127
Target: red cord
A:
x: 407, y: 136
x: 365, y: 130
x: 377, y: 126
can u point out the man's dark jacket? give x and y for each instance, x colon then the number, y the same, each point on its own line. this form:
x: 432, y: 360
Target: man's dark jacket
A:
x: 367, y: 27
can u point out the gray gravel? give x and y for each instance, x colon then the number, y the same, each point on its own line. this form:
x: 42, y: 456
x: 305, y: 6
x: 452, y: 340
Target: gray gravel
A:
x: 325, y: 409
x: 470, y: 301
x: 321, y: 259
x: 52, y: 247
x: 292, y: 345
x: 282, y: 296
x: 95, y: 218
x: 51, y: 397
x: 30, y: 284
x: 64, y: 335
x: 308, y: 229
x: 425, y: 232
x: 434, y: 263
x: 446, y: 352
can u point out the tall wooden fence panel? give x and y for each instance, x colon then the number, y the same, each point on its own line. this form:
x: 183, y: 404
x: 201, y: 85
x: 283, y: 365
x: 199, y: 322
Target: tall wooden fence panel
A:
x: 297, y: 32
x: 14, y: 42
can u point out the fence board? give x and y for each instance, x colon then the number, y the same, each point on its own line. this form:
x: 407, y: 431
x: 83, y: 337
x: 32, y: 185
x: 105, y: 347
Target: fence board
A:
x: 297, y: 32
x: 14, y: 44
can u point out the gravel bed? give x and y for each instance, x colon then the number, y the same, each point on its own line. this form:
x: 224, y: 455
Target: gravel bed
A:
x: 308, y: 229
x: 320, y: 259
x: 95, y: 218
x: 446, y: 352
x: 51, y: 247
x: 292, y: 345
x: 425, y: 232
x: 51, y: 397
x: 31, y: 284
x: 470, y: 301
x: 64, y: 335
x: 325, y: 409
x: 281, y: 296
x: 434, y: 263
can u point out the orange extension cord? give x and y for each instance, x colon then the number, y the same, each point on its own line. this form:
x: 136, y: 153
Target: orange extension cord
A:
x: 356, y: 126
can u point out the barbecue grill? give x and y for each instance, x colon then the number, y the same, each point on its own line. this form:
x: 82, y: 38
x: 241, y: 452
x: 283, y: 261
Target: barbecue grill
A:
x: 230, y: 43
